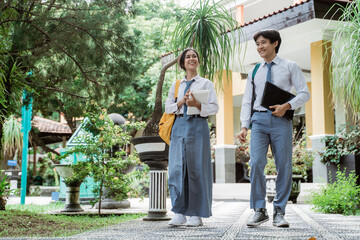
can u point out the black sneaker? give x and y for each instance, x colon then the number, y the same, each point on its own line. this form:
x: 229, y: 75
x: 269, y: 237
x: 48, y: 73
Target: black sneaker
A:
x: 260, y: 217
x: 278, y: 218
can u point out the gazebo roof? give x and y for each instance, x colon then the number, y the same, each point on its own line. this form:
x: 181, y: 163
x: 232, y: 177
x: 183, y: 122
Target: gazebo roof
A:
x: 50, y: 131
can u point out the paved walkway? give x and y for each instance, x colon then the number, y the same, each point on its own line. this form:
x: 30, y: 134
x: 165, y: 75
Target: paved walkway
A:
x: 230, y: 213
x: 228, y: 222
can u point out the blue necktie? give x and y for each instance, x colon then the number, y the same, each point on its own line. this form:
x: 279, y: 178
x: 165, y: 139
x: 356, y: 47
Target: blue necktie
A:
x: 268, y: 76
x: 188, y: 83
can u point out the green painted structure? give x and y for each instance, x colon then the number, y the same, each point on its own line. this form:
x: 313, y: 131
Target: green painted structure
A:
x: 26, y: 112
x: 87, y: 186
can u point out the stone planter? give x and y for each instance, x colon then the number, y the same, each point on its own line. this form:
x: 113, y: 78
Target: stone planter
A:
x: 72, y: 203
x: 271, y: 187
x: 347, y: 163
x: 154, y: 152
x: 109, y: 202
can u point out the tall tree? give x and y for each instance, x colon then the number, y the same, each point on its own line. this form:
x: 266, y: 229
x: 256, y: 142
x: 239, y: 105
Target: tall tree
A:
x: 155, y: 21
x: 78, y: 51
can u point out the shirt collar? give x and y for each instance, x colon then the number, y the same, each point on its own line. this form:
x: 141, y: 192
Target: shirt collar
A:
x: 196, y: 78
x: 276, y: 60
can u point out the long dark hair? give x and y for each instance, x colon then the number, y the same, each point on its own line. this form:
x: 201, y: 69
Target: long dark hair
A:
x: 182, y: 57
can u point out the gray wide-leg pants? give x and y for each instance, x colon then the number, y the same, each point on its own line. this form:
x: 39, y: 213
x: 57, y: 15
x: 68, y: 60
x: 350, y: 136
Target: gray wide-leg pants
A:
x: 190, y: 169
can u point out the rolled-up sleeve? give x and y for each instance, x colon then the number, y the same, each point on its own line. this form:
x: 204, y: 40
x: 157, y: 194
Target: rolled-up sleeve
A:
x: 299, y: 83
x: 212, y: 107
x: 170, y: 103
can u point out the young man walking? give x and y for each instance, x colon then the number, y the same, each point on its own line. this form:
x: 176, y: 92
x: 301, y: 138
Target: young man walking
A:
x: 270, y: 128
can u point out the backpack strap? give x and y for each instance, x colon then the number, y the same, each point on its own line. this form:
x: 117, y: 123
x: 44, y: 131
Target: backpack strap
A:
x: 253, y: 88
x: 254, y: 72
x: 177, y: 84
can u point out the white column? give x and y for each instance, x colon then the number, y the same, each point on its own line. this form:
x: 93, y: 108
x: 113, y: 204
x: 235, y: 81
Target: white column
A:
x: 225, y: 169
x: 157, y: 196
x: 319, y: 168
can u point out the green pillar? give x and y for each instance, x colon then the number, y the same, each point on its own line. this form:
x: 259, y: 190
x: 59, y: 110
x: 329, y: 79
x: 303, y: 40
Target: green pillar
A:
x: 26, y: 111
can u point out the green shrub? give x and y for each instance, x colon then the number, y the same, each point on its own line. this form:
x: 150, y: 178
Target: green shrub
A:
x: 5, y: 190
x: 342, y: 196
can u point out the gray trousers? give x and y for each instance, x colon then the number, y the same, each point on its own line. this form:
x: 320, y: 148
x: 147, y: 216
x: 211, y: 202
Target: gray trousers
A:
x: 276, y: 132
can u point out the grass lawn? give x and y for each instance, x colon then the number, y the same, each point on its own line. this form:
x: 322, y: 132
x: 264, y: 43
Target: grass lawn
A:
x: 31, y: 221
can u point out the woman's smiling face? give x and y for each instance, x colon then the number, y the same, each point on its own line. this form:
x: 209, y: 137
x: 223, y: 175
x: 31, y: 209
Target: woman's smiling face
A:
x: 191, y: 61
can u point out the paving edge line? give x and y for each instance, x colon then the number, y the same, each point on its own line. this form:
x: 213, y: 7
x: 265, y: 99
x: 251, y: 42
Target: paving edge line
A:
x: 233, y: 231
x: 87, y: 235
x: 317, y: 227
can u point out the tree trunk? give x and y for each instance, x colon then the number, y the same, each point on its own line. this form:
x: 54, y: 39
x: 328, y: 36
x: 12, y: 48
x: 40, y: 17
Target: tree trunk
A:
x: 2, y: 160
x: 68, y: 118
x: 70, y: 122
x: 100, y: 195
x: 34, y: 159
x: 2, y: 203
x: 152, y: 127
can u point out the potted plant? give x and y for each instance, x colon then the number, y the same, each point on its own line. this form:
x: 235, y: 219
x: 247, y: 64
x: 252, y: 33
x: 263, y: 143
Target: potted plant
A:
x: 73, y: 176
x: 106, y: 157
x: 342, y: 152
x: 301, y: 162
x: 5, y: 190
x: 343, y: 149
x: 345, y: 62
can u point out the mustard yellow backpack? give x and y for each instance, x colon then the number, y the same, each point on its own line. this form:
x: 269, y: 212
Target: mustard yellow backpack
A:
x: 167, y: 120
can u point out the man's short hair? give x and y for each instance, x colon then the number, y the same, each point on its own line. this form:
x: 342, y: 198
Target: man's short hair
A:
x: 271, y: 34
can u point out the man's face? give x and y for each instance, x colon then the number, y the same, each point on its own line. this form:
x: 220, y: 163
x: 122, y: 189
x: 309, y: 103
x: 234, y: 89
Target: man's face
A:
x: 265, y: 48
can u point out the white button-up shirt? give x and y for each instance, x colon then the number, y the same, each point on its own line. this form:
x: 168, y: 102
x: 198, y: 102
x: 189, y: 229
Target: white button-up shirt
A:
x: 284, y: 74
x: 211, y: 108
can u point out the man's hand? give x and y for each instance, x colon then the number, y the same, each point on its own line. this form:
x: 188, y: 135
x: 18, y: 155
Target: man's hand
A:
x: 242, y: 135
x: 279, y: 110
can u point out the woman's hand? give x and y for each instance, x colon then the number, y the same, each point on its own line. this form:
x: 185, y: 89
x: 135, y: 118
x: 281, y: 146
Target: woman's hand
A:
x: 192, y: 102
x: 183, y: 100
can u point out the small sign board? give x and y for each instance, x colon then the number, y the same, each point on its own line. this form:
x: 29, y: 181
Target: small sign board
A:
x: 11, y: 163
x: 55, y: 196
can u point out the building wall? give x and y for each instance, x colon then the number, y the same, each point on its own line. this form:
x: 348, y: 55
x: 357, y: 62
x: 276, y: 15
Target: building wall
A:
x: 254, y: 9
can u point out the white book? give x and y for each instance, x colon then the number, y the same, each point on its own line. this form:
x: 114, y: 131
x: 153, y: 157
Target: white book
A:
x: 202, y: 97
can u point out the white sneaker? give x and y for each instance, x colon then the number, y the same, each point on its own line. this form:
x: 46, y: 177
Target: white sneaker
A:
x: 194, y: 221
x: 178, y: 220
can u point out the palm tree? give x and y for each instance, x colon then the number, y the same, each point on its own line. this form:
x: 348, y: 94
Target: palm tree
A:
x: 203, y: 27
x: 345, y: 81
x: 12, y: 138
